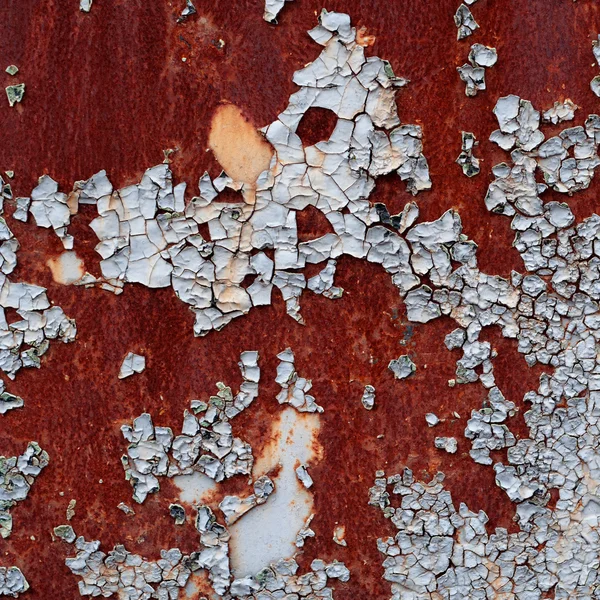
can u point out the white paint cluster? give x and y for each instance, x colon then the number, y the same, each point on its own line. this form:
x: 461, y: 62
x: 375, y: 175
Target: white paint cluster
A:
x: 149, y: 234
x: 206, y: 443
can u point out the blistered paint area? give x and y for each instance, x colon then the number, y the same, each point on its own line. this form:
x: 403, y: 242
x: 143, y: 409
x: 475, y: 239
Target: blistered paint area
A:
x: 410, y: 359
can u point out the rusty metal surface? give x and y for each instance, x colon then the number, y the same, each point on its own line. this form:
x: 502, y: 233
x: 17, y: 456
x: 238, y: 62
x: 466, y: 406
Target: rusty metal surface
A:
x: 108, y: 90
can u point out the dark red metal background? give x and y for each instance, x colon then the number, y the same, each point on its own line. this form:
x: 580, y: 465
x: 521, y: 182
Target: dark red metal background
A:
x: 108, y: 90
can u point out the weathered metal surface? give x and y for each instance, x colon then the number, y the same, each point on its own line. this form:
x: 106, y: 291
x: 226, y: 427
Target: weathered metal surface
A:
x: 109, y: 90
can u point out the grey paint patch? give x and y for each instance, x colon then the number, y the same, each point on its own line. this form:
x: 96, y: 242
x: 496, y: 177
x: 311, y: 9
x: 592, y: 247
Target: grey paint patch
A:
x: 402, y: 367
x: 132, y: 363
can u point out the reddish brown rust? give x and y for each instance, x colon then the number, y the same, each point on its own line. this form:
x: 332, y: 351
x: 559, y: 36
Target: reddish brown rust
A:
x: 109, y: 90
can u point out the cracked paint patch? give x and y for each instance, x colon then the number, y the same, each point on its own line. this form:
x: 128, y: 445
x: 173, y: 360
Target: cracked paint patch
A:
x: 480, y: 58
x: 150, y: 234
x: 17, y: 475
x: 12, y: 582
x: 206, y: 444
x: 552, y: 311
x: 132, y: 363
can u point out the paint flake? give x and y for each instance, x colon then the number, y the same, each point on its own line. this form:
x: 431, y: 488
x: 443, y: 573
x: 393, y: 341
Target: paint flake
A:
x: 402, y: 367
x: 304, y: 477
x: 432, y: 419
x: 466, y: 160
x: 12, y: 582
x: 480, y: 58
x: 465, y: 22
x: 560, y: 112
x: 15, y: 93
x: 272, y: 10
x: 132, y: 363
x: 188, y: 11
x: 368, y: 397
x: 66, y: 533
x: 293, y: 387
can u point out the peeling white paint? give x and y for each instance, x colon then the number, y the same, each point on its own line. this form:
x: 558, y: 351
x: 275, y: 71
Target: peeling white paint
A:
x: 67, y: 268
x: 268, y: 533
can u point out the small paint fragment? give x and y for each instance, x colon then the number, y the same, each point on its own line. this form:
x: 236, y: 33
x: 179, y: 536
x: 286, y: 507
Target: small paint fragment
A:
x: 234, y: 507
x: 465, y: 22
x: 480, y: 58
x: 272, y: 9
x: 8, y: 401
x: 71, y: 509
x: 15, y: 93
x: 304, y: 477
x: 483, y: 56
x: 305, y: 532
x: 402, y: 367
x: 560, y: 112
x: 338, y: 535
x: 178, y: 513
x: 126, y: 509
x: 432, y: 419
x: 22, y: 209
x: 65, y: 533
x: 449, y: 444
x: 85, y: 5
x: 368, y: 397
x: 188, y: 11
x: 6, y: 524
x: 293, y: 387
x: 12, y: 582
x: 12, y: 69
x: 132, y: 363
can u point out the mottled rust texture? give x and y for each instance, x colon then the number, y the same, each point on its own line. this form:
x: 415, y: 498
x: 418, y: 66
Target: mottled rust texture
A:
x: 109, y: 90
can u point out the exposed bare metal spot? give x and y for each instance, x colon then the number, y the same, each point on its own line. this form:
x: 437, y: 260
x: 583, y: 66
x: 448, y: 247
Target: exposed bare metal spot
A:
x: 364, y: 38
x: 269, y: 532
x: 197, y: 586
x: 238, y: 146
x: 67, y: 268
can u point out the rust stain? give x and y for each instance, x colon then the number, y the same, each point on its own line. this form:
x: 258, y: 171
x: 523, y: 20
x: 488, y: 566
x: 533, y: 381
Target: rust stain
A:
x: 364, y: 38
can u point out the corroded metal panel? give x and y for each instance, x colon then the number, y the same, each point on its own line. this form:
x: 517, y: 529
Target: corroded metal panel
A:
x: 129, y: 84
